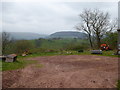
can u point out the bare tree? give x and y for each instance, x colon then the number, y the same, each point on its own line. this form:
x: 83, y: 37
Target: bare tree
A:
x: 113, y: 26
x: 95, y: 23
x: 99, y: 22
x: 85, y: 25
x: 5, y: 41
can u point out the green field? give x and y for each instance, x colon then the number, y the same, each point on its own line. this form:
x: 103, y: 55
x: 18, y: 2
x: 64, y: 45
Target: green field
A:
x: 59, y: 44
x: 47, y: 47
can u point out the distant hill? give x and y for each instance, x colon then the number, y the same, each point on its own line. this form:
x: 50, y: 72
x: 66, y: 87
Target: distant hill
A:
x: 26, y: 35
x: 62, y: 34
x: 68, y: 34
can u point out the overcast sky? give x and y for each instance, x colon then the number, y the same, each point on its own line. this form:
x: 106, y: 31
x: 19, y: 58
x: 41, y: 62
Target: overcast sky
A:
x: 47, y: 18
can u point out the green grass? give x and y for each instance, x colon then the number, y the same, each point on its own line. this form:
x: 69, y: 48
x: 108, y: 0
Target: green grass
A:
x: 20, y: 63
x: 109, y: 53
x: 118, y: 84
x: 41, y: 54
x: 105, y: 53
x: 58, y: 43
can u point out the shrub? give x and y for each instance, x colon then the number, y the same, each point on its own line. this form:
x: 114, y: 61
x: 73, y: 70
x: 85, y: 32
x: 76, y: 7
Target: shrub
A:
x: 22, y: 46
x: 111, y: 39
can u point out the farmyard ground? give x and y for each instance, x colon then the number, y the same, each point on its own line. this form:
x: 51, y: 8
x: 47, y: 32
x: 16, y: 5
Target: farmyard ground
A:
x: 71, y: 71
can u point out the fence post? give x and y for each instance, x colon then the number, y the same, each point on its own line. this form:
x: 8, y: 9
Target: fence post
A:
x: 119, y: 27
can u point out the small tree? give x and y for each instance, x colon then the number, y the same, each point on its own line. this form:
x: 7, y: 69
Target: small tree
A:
x: 100, y: 24
x: 6, y: 40
x: 85, y: 25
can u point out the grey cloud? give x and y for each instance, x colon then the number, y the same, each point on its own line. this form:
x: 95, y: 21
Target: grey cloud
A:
x: 46, y: 18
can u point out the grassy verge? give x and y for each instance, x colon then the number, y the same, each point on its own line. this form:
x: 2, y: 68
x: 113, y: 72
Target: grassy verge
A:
x: 105, y: 53
x: 20, y: 63
x: 40, y: 54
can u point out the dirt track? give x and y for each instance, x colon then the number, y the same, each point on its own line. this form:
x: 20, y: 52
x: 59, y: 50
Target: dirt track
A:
x: 72, y: 71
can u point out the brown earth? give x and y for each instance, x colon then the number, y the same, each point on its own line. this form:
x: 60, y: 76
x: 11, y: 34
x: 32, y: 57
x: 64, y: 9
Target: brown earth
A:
x: 72, y: 71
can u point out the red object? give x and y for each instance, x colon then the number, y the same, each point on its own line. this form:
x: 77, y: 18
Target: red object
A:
x: 104, y: 47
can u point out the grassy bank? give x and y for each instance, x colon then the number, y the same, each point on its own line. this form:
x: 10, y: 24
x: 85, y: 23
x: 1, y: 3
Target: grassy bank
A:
x: 105, y: 53
x: 20, y: 63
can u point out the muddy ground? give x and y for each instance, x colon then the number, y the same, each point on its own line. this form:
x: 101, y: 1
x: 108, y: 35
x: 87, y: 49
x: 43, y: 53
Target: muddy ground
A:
x: 72, y: 71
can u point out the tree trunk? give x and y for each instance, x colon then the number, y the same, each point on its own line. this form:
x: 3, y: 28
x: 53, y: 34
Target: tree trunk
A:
x: 98, y: 42
x: 90, y: 40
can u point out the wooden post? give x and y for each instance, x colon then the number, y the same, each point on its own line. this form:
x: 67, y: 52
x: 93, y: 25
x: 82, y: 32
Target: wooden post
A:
x: 118, y: 52
x: 119, y: 28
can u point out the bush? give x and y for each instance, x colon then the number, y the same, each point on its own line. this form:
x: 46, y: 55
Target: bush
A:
x: 111, y: 39
x: 23, y: 45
